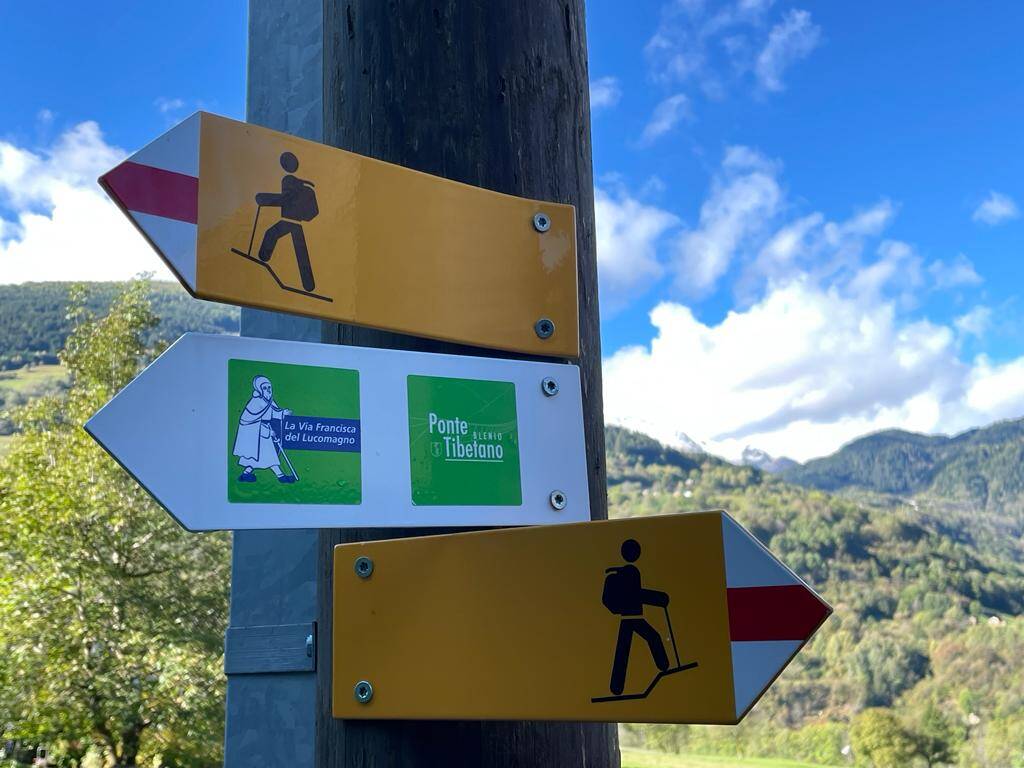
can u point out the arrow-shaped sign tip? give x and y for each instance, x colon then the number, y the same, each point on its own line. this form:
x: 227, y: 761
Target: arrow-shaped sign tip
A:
x: 772, y: 614
x: 158, y: 189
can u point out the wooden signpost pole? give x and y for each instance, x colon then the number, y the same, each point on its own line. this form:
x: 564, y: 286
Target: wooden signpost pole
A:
x: 493, y: 94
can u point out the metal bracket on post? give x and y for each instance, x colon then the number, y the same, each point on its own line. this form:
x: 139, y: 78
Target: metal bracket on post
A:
x: 271, y: 649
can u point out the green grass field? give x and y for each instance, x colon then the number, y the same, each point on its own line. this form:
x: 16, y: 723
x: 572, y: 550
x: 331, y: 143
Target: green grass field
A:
x: 643, y: 758
x: 24, y: 384
x: 36, y: 380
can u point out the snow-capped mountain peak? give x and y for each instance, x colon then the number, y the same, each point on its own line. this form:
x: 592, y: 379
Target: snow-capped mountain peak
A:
x: 755, y: 457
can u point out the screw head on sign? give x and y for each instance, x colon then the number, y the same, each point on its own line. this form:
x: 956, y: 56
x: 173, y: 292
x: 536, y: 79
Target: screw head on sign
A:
x: 544, y: 328
x: 549, y: 386
x: 558, y: 500
x: 363, y: 691
x: 363, y: 567
x: 541, y: 222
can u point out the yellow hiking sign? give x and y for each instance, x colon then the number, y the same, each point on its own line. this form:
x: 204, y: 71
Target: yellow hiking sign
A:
x: 682, y: 618
x: 246, y: 215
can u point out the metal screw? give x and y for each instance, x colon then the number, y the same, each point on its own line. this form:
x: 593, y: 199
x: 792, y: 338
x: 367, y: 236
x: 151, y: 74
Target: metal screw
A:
x: 541, y: 222
x: 363, y: 567
x: 309, y: 646
x: 549, y: 386
x: 544, y: 328
x: 363, y: 691
x: 558, y: 500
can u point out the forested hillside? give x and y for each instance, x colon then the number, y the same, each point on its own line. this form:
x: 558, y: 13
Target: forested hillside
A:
x: 923, y: 654
x: 34, y: 318
x: 981, y: 468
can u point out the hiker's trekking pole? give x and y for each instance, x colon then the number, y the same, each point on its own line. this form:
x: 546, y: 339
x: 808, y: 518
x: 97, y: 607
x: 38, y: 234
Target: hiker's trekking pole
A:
x: 672, y: 636
x: 252, y: 237
x: 280, y: 450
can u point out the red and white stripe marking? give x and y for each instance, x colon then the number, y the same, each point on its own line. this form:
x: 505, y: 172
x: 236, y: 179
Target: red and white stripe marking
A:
x: 772, y: 613
x: 158, y: 187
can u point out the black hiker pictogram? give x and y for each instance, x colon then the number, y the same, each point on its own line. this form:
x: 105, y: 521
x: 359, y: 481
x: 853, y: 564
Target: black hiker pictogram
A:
x: 297, y: 201
x: 625, y: 596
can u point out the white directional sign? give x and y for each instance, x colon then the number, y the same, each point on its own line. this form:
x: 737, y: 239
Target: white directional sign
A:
x: 239, y: 433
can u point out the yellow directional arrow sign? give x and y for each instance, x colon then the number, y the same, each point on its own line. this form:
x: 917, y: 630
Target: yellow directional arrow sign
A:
x: 250, y: 216
x: 682, y: 618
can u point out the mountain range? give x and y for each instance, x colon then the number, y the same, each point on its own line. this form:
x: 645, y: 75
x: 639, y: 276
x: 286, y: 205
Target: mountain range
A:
x: 983, y: 468
x: 677, y: 440
x: 755, y: 457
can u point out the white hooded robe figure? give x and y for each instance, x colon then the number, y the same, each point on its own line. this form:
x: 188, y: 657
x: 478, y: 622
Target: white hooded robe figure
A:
x: 254, y: 441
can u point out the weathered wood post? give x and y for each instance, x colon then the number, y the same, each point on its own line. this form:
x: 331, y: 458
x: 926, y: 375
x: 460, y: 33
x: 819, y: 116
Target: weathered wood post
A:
x: 493, y: 94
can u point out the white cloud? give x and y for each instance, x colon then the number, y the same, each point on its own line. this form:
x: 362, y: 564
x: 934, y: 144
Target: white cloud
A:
x: 754, y: 6
x: 165, y: 105
x: 782, y: 250
x: 996, y: 209
x: 61, y: 225
x: 997, y: 390
x: 864, y: 224
x: 960, y: 271
x: 744, y: 197
x: 801, y: 372
x: 897, y: 266
x: 824, y: 345
x: 653, y: 187
x: 717, y: 47
x: 742, y: 158
x: 975, y: 322
x: 732, y: 16
x: 822, y: 249
x: 789, y: 41
x: 627, y: 235
x: 605, y: 92
x: 665, y: 117
x: 670, y: 59
x: 741, y: 227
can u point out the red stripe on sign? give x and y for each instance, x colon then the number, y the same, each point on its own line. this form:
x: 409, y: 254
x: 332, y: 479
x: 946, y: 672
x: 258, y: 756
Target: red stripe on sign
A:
x: 790, y: 612
x: 144, y: 189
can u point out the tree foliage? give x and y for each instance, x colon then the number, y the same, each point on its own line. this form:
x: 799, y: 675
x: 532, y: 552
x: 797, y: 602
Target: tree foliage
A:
x: 879, y: 740
x: 111, y: 617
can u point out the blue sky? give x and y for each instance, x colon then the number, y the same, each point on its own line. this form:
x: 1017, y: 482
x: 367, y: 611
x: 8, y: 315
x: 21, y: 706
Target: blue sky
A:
x: 808, y: 213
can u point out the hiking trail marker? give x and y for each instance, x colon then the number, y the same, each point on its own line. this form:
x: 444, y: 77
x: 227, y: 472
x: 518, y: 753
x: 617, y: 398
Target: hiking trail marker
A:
x: 679, y: 618
x: 242, y: 433
x: 250, y: 216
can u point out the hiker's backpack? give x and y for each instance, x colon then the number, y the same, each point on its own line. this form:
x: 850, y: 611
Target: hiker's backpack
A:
x: 304, y: 207
x: 617, y: 589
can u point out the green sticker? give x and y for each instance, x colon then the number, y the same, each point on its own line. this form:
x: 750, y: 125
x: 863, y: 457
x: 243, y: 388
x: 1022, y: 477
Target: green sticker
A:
x: 463, y: 442
x: 294, y: 435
